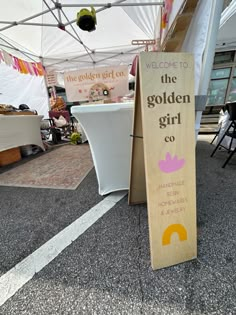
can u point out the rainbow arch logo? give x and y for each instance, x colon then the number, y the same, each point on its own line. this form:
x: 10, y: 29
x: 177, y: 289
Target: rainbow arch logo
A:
x: 174, y: 228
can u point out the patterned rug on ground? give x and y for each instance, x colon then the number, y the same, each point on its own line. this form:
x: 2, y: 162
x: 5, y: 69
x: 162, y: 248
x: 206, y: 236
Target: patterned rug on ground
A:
x: 62, y: 168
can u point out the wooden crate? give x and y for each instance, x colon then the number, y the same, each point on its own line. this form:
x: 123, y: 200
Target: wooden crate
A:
x: 9, y: 156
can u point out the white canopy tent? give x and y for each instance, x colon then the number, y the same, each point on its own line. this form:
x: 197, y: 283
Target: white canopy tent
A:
x: 45, y: 30
x: 40, y: 31
x: 226, y: 39
x: 53, y: 37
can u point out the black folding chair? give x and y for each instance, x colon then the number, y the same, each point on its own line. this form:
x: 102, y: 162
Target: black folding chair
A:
x: 219, y: 126
x: 230, y: 132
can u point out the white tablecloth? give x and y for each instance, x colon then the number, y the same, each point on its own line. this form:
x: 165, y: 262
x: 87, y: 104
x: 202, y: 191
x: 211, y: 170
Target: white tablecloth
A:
x: 20, y: 130
x: 108, y: 128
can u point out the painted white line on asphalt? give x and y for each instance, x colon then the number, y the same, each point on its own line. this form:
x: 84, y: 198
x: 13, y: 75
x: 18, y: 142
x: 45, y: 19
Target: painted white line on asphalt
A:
x: 19, y: 275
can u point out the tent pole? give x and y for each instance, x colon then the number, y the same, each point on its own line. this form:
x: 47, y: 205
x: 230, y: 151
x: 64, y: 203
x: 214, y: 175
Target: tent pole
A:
x: 109, y: 5
x: 19, y: 50
x: 46, y: 92
x: 51, y: 10
x: 34, y: 24
x: 85, y: 47
x: 15, y: 48
x: 59, y: 11
x: 88, y: 50
x: 99, y: 10
x: 209, y: 53
x: 131, y: 51
x: 24, y: 20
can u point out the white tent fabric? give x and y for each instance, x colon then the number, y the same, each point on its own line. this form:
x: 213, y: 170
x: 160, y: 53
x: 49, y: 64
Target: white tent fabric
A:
x: 17, y: 88
x: 226, y: 37
x: 146, y: 18
x: 196, y: 37
x: 60, y: 50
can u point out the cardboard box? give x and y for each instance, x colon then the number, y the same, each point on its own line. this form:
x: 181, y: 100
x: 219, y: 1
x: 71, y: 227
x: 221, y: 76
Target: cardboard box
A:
x: 10, y: 156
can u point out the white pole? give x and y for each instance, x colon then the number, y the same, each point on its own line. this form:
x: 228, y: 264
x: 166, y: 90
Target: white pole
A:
x: 109, y: 5
x: 209, y: 53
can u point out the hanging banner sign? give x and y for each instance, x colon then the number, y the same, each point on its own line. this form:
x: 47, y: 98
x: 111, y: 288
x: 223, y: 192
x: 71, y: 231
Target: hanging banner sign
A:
x: 168, y: 121
x: 96, y: 84
x: 22, y: 66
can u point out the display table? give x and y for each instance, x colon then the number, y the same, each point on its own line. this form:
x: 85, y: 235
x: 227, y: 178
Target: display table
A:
x: 108, y: 128
x: 19, y: 130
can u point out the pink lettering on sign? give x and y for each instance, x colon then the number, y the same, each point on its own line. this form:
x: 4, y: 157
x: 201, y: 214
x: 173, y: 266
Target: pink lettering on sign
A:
x: 167, y: 65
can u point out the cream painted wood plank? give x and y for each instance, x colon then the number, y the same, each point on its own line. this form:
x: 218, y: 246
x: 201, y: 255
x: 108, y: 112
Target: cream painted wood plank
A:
x: 167, y: 97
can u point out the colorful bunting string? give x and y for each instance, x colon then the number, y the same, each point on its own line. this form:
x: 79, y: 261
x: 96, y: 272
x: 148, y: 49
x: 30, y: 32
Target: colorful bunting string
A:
x: 22, y: 66
x: 166, y: 13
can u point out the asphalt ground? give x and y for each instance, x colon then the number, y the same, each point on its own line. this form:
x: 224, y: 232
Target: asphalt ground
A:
x: 107, y: 269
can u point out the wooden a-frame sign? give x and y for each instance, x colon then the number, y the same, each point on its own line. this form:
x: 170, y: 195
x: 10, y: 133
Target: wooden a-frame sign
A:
x: 137, y: 189
x: 163, y: 155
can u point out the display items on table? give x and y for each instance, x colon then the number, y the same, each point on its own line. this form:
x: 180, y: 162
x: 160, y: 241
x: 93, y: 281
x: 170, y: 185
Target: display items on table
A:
x: 4, y: 108
x: 12, y: 110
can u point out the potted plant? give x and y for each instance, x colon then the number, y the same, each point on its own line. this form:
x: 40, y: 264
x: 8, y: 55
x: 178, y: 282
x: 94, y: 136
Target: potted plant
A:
x: 75, y: 138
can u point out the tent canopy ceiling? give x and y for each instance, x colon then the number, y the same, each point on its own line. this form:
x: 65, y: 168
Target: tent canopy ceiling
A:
x: 47, y: 33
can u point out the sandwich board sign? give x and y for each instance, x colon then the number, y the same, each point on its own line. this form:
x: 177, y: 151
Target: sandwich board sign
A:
x: 165, y: 94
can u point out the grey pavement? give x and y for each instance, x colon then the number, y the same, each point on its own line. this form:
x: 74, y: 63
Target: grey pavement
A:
x: 107, y: 269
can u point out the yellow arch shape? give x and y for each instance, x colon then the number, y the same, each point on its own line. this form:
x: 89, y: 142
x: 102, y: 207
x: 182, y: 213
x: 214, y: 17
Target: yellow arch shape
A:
x: 174, y: 228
